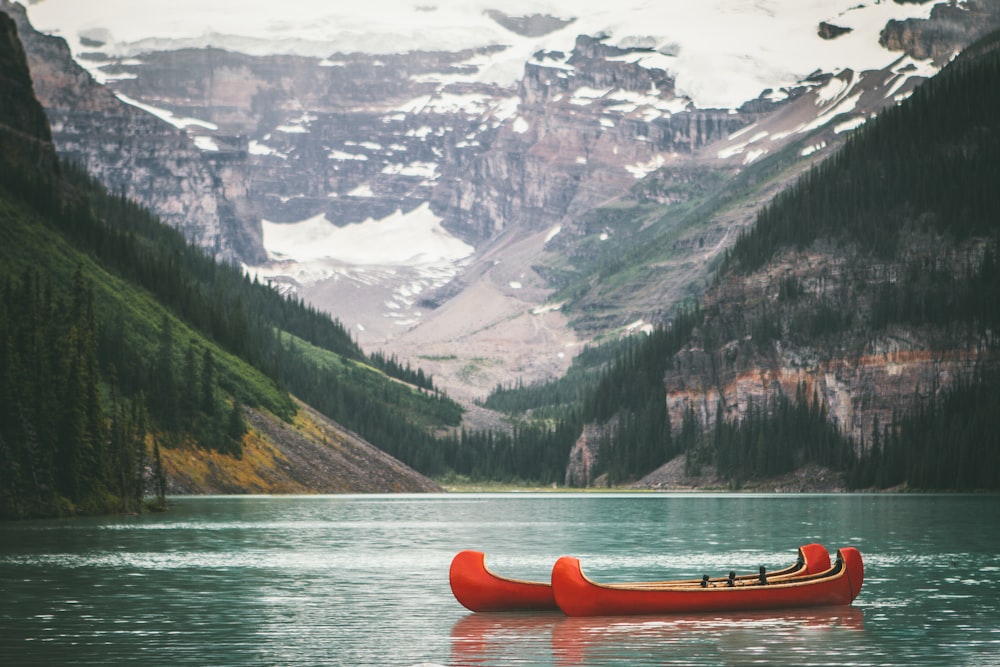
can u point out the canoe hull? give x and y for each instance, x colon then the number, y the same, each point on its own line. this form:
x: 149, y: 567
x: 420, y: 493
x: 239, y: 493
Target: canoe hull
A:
x: 478, y: 589
x: 577, y: 595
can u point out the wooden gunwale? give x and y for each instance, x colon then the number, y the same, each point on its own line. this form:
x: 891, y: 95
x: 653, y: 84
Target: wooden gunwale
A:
x: 721, y: 584
x: 802, y: 567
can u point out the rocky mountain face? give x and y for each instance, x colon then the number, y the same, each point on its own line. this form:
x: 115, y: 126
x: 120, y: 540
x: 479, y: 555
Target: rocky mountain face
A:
x: 136, y: 153
x: 862, y: 378
x: 951, y: 26
x: 589, y: 124
x: 516, y: 172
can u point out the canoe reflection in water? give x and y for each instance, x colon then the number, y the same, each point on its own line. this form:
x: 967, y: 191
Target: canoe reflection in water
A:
x: 779, y: 637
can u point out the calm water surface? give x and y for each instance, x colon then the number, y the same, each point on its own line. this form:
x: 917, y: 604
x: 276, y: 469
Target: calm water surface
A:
x: 363, y: 580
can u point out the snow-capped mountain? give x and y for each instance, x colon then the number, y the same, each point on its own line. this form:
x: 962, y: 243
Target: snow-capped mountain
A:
x: 721, y: 52
x: 423, y: 170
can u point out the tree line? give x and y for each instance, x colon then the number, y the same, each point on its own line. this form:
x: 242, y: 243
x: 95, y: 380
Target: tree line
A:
x: 928, y: 163
x: 70, y: 440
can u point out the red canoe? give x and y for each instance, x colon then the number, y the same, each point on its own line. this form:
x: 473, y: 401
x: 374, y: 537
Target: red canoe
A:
x: 577, y: 595
x: 479, y: 589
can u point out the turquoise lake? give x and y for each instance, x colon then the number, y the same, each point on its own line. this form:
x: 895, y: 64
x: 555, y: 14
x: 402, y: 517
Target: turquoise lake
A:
x: 363, y: 580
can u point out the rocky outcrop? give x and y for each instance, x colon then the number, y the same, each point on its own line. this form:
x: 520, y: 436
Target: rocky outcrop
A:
x: 310, y: 455
x: 589, y: 124
x: 831, y: 31
x: 583, y: 458
x: 950, y: 27
x: 863, y: 378
x: 534, y: 25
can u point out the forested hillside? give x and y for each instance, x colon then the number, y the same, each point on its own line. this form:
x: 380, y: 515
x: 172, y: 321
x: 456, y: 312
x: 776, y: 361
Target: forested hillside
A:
x: 888, y: 250
x: 911, y: 199
x: 119, y: 338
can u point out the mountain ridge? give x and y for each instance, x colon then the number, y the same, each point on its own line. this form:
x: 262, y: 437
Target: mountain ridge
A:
x: 435, y: 129
x: 115, y: 389
x: 598, y: 204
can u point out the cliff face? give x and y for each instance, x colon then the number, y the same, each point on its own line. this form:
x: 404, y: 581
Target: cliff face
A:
x: 950, y: 27
x: 862, y: 376
x: 134, y: 152
x: 25, y: 141
x: 589, y: 124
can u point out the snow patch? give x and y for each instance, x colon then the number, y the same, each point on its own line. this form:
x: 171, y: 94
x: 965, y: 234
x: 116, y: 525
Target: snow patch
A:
x: 832, y: 89
x: 168, y: 116
x: 547, y: 308
x: 642, y: 169
x: 847, y: 105
x: 585, y: 95
x: 809, y: 150
x: 363, y: 190
x: 341, y: 155
x: 906, y: 69
x: 505, y: 108
x: 257, y: 148
x: 421, y: 132
x: 639, y: 326
x: 849, y: 125
x: 425, y: 170
x: 413, y: 238
x: 206, y: 143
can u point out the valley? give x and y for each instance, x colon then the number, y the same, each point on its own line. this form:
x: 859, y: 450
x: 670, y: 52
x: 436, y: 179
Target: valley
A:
x: 508, y: 143
x: 494, y: 196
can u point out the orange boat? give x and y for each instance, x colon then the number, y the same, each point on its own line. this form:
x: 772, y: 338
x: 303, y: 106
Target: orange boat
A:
x: 479, y: 589
x: 577, y: 595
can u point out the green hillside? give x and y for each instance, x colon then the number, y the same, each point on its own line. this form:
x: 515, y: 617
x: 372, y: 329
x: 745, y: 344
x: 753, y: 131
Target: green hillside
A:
x: 118, y: 338
x: 167, y: 337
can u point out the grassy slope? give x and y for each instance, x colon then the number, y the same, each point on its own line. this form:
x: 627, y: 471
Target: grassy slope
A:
x: 659, y: 256
x: 28, y: 242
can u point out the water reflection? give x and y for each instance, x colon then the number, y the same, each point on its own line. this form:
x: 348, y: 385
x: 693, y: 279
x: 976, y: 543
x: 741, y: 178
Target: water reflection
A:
x: 793, y: 637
